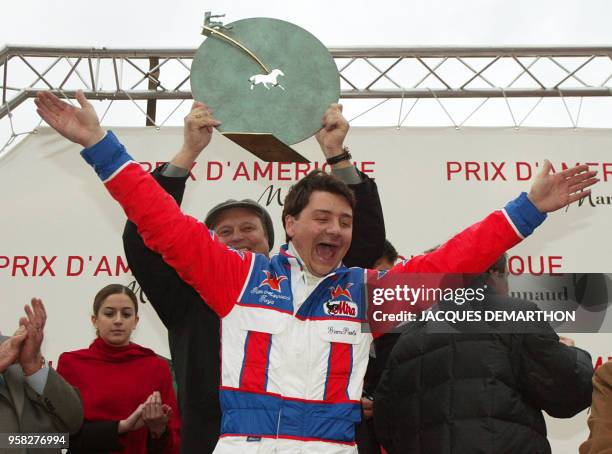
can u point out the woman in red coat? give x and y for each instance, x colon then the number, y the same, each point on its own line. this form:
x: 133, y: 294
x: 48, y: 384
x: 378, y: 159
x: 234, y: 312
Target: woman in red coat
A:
x: 129, y: 402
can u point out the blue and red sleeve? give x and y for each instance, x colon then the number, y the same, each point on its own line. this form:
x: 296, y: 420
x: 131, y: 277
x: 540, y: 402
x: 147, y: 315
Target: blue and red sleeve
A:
x: 216, y: 272
x: 472, y: 251
x: 479, y: 246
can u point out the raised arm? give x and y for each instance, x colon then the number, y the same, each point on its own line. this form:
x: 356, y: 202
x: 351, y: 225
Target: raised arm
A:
x: 184, y: 243
x: 368, y: 222
x: 159, y: 281
x: 166, y: 291
x: 476, y: 248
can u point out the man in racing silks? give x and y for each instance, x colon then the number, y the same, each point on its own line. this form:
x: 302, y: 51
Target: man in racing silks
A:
x: 292, y: 365
x: 193, y: 328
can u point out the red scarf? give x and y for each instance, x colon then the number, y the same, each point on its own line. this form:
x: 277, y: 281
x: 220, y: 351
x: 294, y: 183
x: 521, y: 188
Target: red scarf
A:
x: 114, y: 381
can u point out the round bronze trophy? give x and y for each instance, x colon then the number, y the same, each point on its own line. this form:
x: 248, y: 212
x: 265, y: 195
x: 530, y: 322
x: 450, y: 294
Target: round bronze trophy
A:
x: 268, y: 81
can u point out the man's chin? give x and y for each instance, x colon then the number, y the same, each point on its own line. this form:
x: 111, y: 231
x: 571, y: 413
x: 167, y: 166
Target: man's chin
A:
x: 323, y: 268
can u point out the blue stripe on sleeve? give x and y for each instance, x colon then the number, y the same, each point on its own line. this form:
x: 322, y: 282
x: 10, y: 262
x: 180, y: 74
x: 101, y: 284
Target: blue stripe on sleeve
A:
x: 107, y: 156
x: 524, y: 215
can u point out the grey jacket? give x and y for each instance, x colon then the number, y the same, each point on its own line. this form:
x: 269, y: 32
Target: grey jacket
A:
x: 22, y: 409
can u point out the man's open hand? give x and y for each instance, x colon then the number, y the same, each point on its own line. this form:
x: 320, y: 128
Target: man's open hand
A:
x: 551, y: 191
x: 79, y: 125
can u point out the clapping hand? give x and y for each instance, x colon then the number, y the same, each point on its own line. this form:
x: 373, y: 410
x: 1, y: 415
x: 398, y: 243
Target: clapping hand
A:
x: 30, y: 357
x: 156, y: 415
x: 151, y: 413
x: 10, y: 348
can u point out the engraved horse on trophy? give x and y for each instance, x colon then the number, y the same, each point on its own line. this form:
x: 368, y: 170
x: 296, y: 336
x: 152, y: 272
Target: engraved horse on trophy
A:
x: 267, y: 79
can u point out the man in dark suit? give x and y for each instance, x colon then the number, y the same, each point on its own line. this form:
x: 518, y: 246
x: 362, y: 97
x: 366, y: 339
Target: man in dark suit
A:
x: 33, y: 397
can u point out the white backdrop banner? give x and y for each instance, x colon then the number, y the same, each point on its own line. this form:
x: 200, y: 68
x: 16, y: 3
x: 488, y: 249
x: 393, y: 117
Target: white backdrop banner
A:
x: 61, y: 232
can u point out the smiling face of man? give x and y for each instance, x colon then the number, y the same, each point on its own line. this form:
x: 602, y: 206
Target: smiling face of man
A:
x: 318, y: 220
x: 242, y: 229
x: 322, y: 231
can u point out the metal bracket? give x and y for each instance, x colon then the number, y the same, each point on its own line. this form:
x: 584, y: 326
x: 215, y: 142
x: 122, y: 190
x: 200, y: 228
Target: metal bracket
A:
x: 216, y: 25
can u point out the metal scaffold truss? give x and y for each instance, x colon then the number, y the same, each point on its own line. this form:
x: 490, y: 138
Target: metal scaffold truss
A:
x: 370, y: 77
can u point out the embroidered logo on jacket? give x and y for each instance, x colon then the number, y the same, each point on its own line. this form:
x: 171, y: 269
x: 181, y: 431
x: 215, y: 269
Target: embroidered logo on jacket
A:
x: 344, y: 308
x: 338, y: 291
x: 273, y: 281
x: 381, y: 273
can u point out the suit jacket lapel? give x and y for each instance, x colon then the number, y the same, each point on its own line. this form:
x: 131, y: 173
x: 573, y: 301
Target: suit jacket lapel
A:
x: 14, y: 382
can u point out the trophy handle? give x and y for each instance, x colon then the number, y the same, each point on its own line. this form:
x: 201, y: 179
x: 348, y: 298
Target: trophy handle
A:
x: 211, y: 28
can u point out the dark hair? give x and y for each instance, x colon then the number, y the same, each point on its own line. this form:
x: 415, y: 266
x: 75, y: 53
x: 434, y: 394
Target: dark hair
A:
x: 389, y: 252
x: 299, y: 194
x: 113, y: 289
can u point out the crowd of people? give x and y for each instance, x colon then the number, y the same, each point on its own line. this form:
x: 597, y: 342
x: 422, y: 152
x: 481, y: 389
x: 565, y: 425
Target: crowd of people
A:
x: 263, y: 359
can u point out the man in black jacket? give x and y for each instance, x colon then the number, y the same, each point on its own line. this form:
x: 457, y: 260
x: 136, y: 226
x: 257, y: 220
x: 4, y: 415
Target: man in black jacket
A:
x: 367, y: 443
x: 193, y: 328
x: 481, y: 391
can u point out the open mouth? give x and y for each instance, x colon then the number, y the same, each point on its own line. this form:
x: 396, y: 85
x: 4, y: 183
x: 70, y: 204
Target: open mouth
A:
x: 327, y: 251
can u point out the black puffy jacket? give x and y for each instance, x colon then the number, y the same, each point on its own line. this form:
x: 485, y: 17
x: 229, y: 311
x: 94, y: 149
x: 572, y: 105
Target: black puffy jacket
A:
x: 474, y: 393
